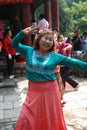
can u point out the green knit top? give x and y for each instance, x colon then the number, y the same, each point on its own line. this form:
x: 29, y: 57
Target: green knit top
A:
x: 41, y: 68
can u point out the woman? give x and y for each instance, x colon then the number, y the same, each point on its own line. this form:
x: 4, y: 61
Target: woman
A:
x: 64, y: 48
x: 42, y: 107
x: 9, y: 52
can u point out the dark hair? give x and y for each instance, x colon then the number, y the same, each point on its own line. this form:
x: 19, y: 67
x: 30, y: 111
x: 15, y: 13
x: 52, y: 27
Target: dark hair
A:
x: 69, y: 39
x: 41, y: 16
x: 76, y: 30
x: 33, y: 20
x: 6, y: 32
x: 84, y: 33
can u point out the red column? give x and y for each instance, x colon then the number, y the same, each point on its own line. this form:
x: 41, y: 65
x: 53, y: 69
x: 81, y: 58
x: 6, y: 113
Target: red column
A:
x: 47, y: 11
x: 26, y: 20
x: 54, y: 13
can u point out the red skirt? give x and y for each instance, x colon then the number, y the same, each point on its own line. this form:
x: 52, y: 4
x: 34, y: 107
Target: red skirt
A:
x: 42, y: 108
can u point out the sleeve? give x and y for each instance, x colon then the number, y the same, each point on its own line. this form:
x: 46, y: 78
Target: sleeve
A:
x: 6, y: 46
x: 18, y: 46
x: 71, y: 62
x: 0, y: 44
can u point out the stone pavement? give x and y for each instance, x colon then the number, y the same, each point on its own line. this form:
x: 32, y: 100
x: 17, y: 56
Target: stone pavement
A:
x: 75, y: 110
x: 13, y: 93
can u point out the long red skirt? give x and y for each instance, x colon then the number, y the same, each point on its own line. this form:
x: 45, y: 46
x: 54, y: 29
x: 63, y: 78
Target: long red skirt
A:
x: 42, y: 108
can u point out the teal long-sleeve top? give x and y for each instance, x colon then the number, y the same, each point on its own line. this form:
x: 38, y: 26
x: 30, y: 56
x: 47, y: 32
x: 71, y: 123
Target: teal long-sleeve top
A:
x: 41, y: 68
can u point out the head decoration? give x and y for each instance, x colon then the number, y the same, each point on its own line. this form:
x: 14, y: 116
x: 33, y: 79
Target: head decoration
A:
x: 43, y: 32
x: 46, y: 31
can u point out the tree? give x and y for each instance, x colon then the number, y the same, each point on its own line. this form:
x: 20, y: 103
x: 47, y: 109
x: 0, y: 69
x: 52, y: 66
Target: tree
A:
x: 79, y: 14
x: 65, y: 18
x: 72, y: 15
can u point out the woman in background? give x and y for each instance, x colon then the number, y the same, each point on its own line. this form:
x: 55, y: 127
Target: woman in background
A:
x: 9, y: 52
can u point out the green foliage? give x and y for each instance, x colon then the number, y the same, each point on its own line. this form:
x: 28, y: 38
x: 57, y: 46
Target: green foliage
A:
x: 39, y: 11
x: 79, y: 13
x: 72, y: 15
x: 65, y: 18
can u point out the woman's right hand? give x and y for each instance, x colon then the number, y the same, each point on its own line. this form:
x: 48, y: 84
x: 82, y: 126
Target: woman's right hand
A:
x: 27, y: 31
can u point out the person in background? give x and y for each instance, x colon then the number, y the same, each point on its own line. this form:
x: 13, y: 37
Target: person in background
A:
x: 84, y: 42
x: 71, y: 81
x: 9, y: 52
x: 64, y: 49
x: 42, y: 107
x: 57, y: 69
x: 43, y: 23
x: 56, y: 33
x: 77, y: 41
x: 62, y: 80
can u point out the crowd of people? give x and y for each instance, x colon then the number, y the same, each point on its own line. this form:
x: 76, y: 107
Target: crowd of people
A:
x: 48, y: 63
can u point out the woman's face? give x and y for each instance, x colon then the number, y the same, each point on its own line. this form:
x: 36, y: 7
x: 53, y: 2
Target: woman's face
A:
x: 61, y: 39
x: 46, y: 42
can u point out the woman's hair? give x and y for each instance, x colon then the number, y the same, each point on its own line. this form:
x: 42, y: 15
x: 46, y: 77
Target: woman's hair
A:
x: 40, y: 35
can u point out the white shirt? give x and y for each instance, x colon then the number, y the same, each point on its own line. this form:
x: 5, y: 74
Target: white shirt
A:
x: 43, y: 24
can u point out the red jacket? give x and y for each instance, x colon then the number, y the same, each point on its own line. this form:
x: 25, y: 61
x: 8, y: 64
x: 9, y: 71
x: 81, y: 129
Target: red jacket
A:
x: 8, y: 49
x: 0, y: 44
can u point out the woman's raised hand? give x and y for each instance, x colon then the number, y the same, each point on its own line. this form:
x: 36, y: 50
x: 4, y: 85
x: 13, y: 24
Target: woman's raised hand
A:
x: 27, y: 31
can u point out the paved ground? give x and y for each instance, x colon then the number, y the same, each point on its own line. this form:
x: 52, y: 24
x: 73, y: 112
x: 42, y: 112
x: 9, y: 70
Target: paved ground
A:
x: 75, y: 109
x: 13, y: 93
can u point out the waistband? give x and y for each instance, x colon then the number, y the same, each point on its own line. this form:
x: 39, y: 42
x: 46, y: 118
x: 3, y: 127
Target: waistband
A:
x: 43, y: 86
